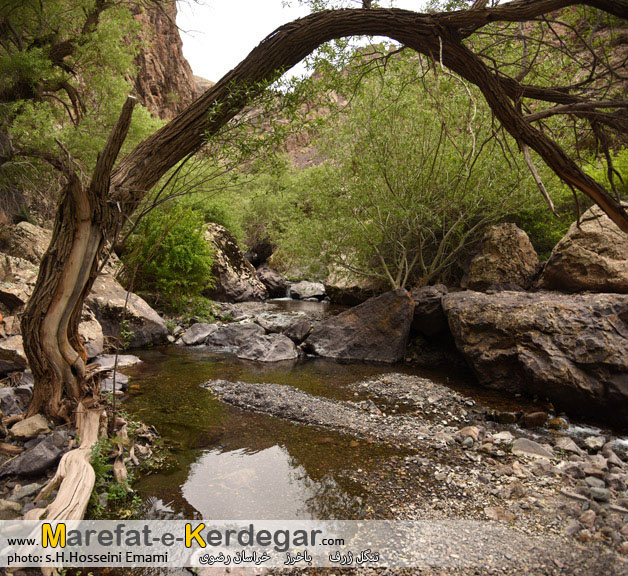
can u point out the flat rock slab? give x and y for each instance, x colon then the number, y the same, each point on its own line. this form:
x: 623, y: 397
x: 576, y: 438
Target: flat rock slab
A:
x: 525, y: 447
x: 39, y: 458
x: 295, y: 405
x: 106, y: 362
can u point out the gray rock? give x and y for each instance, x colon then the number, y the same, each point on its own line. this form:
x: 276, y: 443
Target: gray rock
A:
x: 306, y: 290
x: 594, y: 443
x: 20, y: 492
x: 572, y: 349
x: 298, y: 329
x: 9, y: 510
x: 28, y: 241
x: 106, y: 362
x: 274, y: 323
x: 236, y: 279
x: 91, y: 334
x: 376, y: 330
x: 14, y: 401
x: 600, y: 494
x: 107, y: 302
x: 12, y: 357
x: 198, y: 333
x: 429, y: 318
x: 525, y: 447
x: 506, y: 257
x: 233, y: 335
x: 274, y: 282
x: 593, y: 256
x: 122, y: 383
x: 268, y: 348
x: 38, y: 459
x: 17, y: 279
x: 568, y: 445
x: 594, y: 482
x: 30, y: 427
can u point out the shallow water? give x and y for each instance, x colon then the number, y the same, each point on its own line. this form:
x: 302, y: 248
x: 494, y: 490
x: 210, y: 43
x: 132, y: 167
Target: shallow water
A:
x: 232, y: 464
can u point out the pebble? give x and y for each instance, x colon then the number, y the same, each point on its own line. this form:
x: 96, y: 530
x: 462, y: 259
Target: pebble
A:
x: 595, y: 443
x: 600, y: 494
x: 594, y: 482
x: 588, y: 518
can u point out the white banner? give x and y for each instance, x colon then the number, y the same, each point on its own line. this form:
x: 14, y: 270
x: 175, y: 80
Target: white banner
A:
x: 160, y: 543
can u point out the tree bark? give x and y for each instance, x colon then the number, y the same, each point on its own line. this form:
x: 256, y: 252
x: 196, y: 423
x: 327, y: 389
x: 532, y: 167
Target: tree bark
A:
x: 87, y: 216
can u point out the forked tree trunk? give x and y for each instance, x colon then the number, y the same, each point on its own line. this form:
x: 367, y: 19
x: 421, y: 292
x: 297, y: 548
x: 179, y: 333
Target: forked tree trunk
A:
x: 87, y: 215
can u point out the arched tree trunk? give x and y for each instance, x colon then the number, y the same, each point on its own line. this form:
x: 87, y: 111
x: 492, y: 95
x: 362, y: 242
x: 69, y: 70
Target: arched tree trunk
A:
x: 87, y: 215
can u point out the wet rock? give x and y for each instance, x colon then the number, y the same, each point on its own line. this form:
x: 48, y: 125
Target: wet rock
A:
x: 429, y: 318
x: 376, y: 330
x: 557, y: 424
x: 38, y: 459
x: 91, y: 334
x: 107, y: 301
x: 572, y: 349
x: 30, y: 427
x: 534, y: 420
x: 14, y: 401
x: 121, y: 383
x: 274, y: 282
x: 12, y: 357
x: 593, y: 256
x: 234, y: 334
x: 107, y: 362
x: 306, y: 290
x: 526, y: 447
x: 236, y: 279
x: 298, y: 329
x: 268, y: 348
x: 506, y: 257
x: 198, y: 333
x: 506, y: 417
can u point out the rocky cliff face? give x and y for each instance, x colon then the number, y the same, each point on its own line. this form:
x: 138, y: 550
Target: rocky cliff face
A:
x: 165, y: 83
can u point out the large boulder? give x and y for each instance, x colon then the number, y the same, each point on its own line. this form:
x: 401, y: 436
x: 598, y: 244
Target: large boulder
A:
x: 268, y: 348
x: 570, y: 349
x: 12, y: 357
x: 234, y: 335
x: 506, y: 258
x: 307, y: 290
x: 376, y: 330
x: 107, y: 302
x: 274, y: 282
x: 236, y: 279
x: 349, y: 289
x: 592, y: 256
x: 429, y: 318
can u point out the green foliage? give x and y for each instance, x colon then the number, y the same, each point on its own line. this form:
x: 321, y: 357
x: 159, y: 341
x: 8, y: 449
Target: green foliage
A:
x: 414, y: 173
x: 168, y: 255
x: 599, y: 171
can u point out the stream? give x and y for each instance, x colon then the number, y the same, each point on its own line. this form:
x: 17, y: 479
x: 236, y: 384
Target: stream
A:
x: 228, y: 463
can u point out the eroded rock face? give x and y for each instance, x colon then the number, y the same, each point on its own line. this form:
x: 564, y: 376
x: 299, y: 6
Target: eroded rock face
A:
x: 107, y: 301
x: 591, y: 257
x: 268, y: 348
x: 572, y: 349
x: 236, y: 279
x: 506, y: 257
x: 17, y: 280
x: 376, y: 330
x: 274, y: 282
x: 429, y: 318
x: 165, y: 83
x: 27, y: 241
